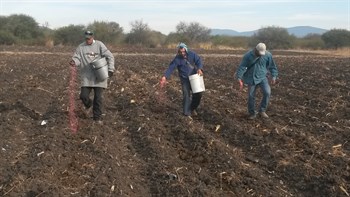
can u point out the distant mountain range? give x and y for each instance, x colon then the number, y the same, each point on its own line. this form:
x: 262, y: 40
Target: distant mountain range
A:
x: 298, y: 31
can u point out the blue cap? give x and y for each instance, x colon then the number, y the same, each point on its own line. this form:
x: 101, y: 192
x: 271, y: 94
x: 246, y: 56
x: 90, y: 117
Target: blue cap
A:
x: 182, y: 45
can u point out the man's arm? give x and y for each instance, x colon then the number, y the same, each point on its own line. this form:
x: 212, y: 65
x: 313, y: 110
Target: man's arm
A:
x: 273, y: 70
x: 242, y: 68
x: 109, y: 56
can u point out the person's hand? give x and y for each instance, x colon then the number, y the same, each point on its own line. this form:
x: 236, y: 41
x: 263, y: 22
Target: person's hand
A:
x: 72, y: 63
x: 273, y: 81
x: 200, y: 72
x: 240, y: 84
x: 162, y: 82
x: 110, y: 74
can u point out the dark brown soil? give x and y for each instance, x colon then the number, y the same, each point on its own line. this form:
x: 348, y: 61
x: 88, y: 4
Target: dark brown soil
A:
x: 147, y: 148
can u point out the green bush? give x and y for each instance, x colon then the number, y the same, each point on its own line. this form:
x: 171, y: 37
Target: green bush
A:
x: 336, y: 38
x: 274, y: 38
x: 310, y: 41
x: 230, y: 41
x: 71, y: 35
x: 7, y: 38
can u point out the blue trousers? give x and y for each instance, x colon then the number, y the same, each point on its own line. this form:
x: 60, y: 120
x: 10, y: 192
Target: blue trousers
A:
x: 266, y: 90
x: 189, y: 104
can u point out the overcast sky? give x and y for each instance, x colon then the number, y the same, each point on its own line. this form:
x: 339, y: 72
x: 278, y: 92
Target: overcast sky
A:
x: 164, y: 15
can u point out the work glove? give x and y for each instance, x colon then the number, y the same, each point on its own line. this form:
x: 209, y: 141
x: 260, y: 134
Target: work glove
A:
x: 110, y: 74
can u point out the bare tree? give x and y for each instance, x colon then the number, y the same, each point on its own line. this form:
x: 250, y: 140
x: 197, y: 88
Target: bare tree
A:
x: 140, y: 33
x: 190, y: 33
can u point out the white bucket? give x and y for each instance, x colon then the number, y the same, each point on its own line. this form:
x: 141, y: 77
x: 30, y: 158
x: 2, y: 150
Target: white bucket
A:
x: 197, y: 83
x: 100, y: 69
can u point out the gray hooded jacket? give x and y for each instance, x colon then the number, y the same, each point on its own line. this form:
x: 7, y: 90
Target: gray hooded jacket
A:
x: 84, y: 55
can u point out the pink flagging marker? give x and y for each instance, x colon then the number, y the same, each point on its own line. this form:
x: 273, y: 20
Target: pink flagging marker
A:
x: 73, y: 120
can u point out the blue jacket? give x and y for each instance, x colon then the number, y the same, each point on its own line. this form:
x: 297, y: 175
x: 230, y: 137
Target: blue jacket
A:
x: 185, y: 66
x: 253, y: 69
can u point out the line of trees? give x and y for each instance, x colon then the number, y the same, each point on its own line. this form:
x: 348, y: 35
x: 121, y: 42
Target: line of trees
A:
x: 19, y: 29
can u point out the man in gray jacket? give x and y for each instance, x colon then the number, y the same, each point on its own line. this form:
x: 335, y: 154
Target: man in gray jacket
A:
x: 86, y: 53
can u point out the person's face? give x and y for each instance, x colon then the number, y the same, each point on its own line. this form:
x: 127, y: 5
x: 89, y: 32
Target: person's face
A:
x: 182, y: 52
x: 89, y: 40
x: 257, y: 54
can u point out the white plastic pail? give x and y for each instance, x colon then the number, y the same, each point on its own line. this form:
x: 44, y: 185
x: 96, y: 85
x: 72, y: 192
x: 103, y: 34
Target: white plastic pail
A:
x: 100, y: 69
x: 197, y: 83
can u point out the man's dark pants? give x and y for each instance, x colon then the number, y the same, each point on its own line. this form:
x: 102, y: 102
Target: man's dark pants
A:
x: 96, y: 103
x: 188, y: 105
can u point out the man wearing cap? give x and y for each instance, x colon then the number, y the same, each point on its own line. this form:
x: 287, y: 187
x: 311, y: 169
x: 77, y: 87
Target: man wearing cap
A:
x: 253, y: 71
x: 85, y: 53
x: 188, y: 63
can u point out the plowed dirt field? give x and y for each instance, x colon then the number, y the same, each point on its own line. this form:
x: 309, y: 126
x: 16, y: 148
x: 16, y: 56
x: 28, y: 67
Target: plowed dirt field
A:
x: 145, y: 146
